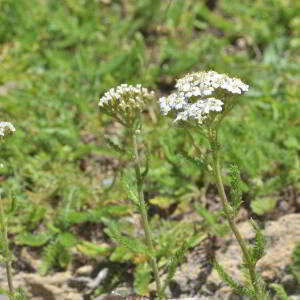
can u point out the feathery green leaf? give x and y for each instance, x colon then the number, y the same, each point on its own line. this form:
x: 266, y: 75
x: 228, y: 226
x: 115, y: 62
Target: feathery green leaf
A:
x: 115, y: 147
x: 239, y: 289
x: 280, y: 292
x: 211, y: 221
x: 50, y: 257
x: 132, y: 244
x: 130, y: 186
x: 236, y: 191
x: 142, y: 278
x: 258, y: 251
x: 197, y: 162
x: 175, y: 260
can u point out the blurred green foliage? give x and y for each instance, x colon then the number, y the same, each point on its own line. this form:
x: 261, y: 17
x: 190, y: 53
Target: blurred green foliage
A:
x: 58, y: 57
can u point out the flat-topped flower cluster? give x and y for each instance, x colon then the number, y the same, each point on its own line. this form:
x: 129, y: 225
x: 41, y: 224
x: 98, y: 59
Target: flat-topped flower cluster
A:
x: 190, y: 101
x: 6, y: 128
x: 126, y: 100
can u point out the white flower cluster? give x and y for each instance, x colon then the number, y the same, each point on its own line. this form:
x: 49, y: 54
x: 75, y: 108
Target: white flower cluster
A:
x: 199, y: 110
x: 6, y: 127
x: 205, y: 83
x: 196, y: 87
x: 125, y: 98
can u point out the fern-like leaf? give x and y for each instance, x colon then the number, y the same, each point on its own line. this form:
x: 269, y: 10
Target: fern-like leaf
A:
x: 50, y: 257
x: 34, y: 215
x: 145, y: 172
x: 236, y: 190
x: 132, y: 244
x: 20, y: 295
x: 64, y: 257
x: 211, y: 221
x: 258, y: 250
x: 142, y: 278
x: 197, y: 162
x: 115, y: 147
x: 130, y: 186
x: 175, y: 261
x: 239, y: 289
x: 280, y: 292
x: 258, y: 286
x: 4, y: 248
x: 66, y: 207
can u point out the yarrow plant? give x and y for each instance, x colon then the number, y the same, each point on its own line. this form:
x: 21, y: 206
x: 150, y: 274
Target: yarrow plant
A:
x: 125, y: 103
x: 191, y: 103
x: 201, y: 101
x: 6, y: 129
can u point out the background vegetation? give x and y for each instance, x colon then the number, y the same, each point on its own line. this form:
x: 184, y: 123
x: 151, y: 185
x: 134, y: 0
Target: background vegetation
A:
x: 57, y: 59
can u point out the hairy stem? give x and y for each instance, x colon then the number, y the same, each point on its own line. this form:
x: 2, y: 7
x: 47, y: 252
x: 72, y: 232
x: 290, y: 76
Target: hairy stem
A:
x: 229, y: 217
x: 143, y: 211
x: 6, y: 253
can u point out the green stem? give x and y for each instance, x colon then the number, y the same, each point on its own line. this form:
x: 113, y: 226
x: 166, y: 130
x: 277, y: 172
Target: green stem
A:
x: 144, y: 216
x: 6, y: 253
x: 228, y: 215
x: 9, y: 280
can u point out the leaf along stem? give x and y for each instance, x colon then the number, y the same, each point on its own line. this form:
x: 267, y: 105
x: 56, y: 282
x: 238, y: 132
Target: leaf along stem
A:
x: 143, y: 211
x: 226, y: 207
x: 6, y: 250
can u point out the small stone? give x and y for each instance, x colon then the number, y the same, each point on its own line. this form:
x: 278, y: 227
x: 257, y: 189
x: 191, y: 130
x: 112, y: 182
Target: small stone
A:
x: 84, y: 270
x: 50, y: 287
x: 290, y: 283
x: 268, y: 275
x: 225, y: 293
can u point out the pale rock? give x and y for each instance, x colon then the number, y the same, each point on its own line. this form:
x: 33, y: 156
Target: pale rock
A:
x: 282, y: 237
x: 84, y: 270
x: 51, y: 287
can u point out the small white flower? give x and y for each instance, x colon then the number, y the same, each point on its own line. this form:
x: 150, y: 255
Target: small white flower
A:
x: 190, y: 102
x: 6, y: 127
x: 181, y: 116
x: 126, y: 100
x: 199, y: 110
x: 205, y: 83
x: 173, y: 101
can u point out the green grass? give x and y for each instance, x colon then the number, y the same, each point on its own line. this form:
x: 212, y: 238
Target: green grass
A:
x: 61, y: 56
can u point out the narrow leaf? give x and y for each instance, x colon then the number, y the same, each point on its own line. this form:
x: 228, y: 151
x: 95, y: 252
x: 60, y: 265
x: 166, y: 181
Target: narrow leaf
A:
x: 280, y: 292
x: 236, y: 190
x: 32, y: 240
x: 260, y: 242
x: 239, y: 289
x: 130, y: 187
x: 116, y: 147
x: 197, y: 162
x: 93, y: 250
x: 132, y: 244
x: 175, y: 260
